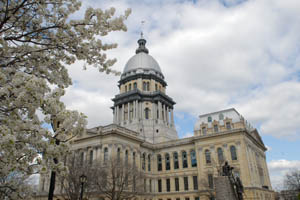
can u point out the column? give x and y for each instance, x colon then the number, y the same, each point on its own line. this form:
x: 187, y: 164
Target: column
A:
x: 128, y: 111
x: 168, y: 120
x: 153, y: 111
x: 172, y: 117
x: 122, y: 113
x: 159, y: 110
x: 164, y: 109
x: 133, y: 109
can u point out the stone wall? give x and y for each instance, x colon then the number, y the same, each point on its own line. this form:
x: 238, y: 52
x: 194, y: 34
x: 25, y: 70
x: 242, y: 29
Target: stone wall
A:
x: 224, y: 190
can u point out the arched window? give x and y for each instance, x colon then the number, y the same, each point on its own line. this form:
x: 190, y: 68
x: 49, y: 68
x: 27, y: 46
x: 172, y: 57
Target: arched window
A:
x: 149, y: 162
x: 91, y: 157
x: 221, y: 116
x: 105, y: 154
x: 220, y: 155
x: 209, y: 119
x: 144, y: 86
x: 134, y: 85
x: 193, y: 158
x: 159, y: 164
x: 125, y: 88
x: 126, y: 157
x: 184, y: 160
x: 133, y: 158
x: 148, y: 86
x: 144, y: 161
x: 207, y: 156
x: 129, y: 87
x: 156, y: 87
x: 147, y: 112
x: 167, y: 157
x: 81, y: 158
x: 176, y: 163
x: 233, y: 153
x: 119, y: 154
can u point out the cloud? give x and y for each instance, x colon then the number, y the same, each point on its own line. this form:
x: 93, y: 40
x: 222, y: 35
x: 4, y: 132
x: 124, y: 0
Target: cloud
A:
x: 188, y: 134
x: 279, y: 168
x: 214, y: 55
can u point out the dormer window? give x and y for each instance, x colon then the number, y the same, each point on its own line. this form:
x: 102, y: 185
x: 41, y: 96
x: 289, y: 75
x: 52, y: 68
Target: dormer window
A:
x: 134, y: 85
x: 209, y: 119
x: 221, y: 116
x: 228, y: 125
x: 203, y: 130
x: 216, y: 128
x: 129, y: 87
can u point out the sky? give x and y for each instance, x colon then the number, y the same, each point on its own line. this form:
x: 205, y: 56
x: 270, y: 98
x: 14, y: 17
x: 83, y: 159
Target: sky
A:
x: 214, y: 54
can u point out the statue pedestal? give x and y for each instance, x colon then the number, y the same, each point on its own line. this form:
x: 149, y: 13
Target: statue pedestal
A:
x: 224, y: 189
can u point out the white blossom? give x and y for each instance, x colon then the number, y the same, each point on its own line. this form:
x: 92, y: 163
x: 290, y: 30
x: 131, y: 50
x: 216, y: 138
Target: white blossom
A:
x: 37, y: 40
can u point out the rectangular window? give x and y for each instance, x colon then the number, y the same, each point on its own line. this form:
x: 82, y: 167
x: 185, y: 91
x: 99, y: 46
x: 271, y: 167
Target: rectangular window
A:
x: 197, y: 198
x: 186, y: 183
x: 150, y: 185
x: 177, y: 198
x: 187, y: 198
x: 159, y: 185
x: 195, y: 182
x: 176, y: 184
x: 145, y: 185
x: 228, y: 125
x: 168, y: 185
x: 210, y: 181
x: 216, y: 128
x: 203, y: 130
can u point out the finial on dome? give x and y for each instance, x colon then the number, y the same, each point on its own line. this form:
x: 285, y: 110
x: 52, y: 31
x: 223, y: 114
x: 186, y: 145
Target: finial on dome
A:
x: 142, y: 42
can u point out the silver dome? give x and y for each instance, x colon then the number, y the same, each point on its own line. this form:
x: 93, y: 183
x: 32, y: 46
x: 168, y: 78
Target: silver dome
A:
x: 141, y: 61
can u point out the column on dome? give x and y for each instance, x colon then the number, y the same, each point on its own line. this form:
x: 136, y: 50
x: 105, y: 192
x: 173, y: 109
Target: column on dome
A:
x: 133, y: 109
x: 159, y: 110
x: 128, y: 111
x: 123, y: 113
x: 164, y: 112
x: 153, y: 111
x: 114, y: 112
x: 168, y: 121
x: 172, y: 117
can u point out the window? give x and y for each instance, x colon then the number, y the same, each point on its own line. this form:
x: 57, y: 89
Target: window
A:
x: 187, y: 198
x: 129, y: 86
x: 156, y: 87
x: 177, y: 198
x: 126, y: 157
x: 147, y: 110
x: 216, y: 128
x: 105, y: 154
x: 150, y: 185
x: 207, y: 156
x: 144, y: 86
x: 159, y: 185
x: 233, y: 153
x: 149, y: 162
x: 221, y: 116
x: 145, y: 185
x: 197, y: 198
x: 167, y: 157
x: 133, y: 158
x: 176, y: 184
x: 186, y: 183
x: 210, y: 181
x: 168, y: 185
x: 148, y: 86
x: 157, y: 114
x: 184, y: 160
x: 193, y: 158
x: 134, y: 85
x: 203, y: 130
x: 228, y: 125
x: 119, y: 154
x: 209, y: 119
x: 176, y: 163
x: 144, y: 161
x: 81, y: 158
x: 159, y: 164
x: 195, y: 182
x: 220, y: 155
x: 91, y: 157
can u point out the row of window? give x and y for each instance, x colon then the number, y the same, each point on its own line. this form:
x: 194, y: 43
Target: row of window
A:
x: 193, y: 158
x: 185, y: 183
x: 216, y: 128
x: 146, y: 86
x: 221, y: 117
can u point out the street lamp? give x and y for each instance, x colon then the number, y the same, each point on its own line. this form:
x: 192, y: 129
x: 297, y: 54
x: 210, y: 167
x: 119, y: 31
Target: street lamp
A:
x: 83, y: 180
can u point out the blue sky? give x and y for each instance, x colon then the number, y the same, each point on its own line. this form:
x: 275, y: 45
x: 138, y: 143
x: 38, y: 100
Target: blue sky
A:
x: 214, y: 54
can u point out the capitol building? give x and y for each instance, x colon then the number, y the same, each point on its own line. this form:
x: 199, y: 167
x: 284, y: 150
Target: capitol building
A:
x: 144, y: 132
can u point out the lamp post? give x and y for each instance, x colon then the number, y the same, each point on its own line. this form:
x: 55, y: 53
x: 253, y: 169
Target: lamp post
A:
x: 83, y: 180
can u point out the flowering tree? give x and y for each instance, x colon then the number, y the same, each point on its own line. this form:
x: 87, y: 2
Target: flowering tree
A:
x: 37, y: 40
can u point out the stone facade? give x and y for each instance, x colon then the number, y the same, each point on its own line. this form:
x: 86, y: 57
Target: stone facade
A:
x: 175, y: 169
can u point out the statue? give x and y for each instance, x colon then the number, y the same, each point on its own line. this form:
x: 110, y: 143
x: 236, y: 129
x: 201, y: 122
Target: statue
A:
x: 227, y: 169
